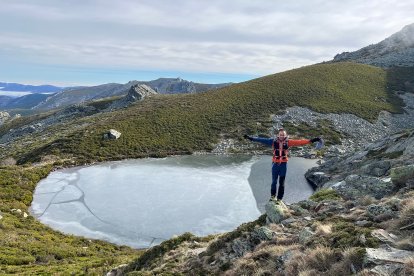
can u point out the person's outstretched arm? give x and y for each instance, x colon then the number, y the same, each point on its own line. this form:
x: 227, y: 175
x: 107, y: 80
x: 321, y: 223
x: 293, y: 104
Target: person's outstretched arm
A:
x: 266, y: 141
x: 296, y: 143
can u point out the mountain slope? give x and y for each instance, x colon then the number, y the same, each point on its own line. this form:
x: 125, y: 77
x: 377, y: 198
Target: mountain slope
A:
x: 170, y: 124
x: 396, y: 50
x: 25, y: 102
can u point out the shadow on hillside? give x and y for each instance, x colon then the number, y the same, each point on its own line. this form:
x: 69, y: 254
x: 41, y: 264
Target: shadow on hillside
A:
x: 400, y: 79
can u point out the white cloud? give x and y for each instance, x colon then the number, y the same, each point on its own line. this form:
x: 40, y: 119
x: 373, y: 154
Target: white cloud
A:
x: 250, y: 37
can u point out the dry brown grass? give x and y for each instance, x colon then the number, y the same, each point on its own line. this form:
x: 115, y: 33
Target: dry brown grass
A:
x: 325, y: 261
x: 366, y: 200
x: 323, y: 229
x: 407, y: 213
x: 408, y: 269
x: 406, y: 243
x: 265, y: 260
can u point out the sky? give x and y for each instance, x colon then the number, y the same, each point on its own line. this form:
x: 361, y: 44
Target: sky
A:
x: 87, y: 42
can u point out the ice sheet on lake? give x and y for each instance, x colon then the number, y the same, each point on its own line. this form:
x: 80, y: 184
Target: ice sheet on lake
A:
x: 142, y: 202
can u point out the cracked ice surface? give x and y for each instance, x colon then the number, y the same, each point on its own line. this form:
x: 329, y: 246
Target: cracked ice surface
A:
x: 143, y: 202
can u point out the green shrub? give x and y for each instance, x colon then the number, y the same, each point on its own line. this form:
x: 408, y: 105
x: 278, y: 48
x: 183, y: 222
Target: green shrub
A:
x: 324, y: 194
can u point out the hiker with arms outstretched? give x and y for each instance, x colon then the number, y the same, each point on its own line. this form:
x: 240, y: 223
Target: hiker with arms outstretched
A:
x: 280, y: 146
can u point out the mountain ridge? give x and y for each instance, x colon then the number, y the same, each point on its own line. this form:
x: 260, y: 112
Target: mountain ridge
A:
x: 396, y: 50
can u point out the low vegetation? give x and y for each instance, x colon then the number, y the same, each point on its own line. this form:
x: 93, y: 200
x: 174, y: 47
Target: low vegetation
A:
x: 324, y: 194
x: 31, y: 248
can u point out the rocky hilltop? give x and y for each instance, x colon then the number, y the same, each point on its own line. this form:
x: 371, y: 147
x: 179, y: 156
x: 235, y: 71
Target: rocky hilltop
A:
x: 136, y: 93
x: 396, y: 50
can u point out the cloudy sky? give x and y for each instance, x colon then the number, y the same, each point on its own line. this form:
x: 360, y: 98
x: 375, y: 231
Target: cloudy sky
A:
x: 84, y: 42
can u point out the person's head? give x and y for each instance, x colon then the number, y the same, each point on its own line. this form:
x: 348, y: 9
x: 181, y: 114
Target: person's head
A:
x: 282, y: 134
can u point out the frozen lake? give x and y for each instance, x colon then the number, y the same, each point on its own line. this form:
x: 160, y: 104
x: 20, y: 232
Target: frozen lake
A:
x: 143, y: 202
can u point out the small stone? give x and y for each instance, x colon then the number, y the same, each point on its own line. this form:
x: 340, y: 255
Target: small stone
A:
x: 363, y: 223
x: 362, y: 238
x: 305, y: 235
x: 308, y: 218
x: 25, y: 215
x: 288, y: 221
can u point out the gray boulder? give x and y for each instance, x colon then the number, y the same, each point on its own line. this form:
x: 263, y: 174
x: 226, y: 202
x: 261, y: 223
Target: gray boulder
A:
x: 305, y: 235
x: 356, y: 186
x: 317, y: 179
x: 276, y: 211
x: 263, y: 233
x: 377, y: 169
x: 402, y: 175
x: 112, y: 134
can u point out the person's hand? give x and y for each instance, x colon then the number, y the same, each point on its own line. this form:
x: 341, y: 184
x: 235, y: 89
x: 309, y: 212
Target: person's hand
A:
x: 316, y: 139
x: 247, y: 137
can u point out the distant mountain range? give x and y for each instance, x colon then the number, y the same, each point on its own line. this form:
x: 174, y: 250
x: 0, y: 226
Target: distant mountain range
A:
x: 396, y: 50
x: 17, y: 87
x: 64, y: 96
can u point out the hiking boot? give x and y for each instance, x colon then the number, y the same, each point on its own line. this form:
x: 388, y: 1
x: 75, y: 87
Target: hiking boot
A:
x: 272, y: 197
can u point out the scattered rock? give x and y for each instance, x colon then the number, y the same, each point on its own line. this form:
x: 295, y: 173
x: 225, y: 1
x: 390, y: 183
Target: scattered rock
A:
x: 263, y: 233
x: 276, y: 211
x: 288, y: 221
x: 112, y: 134
x: 307, y: 204
x: 363, y: 223
x: 375, y: 210
x: 400, y: 175
x: 117, y: 271
x: 305, y: 235
x: 18, y: 211
x: 387, y: 269
x: 241, y: 247
x: 377, y: 169
x: 25, y: 215
x: 317, y: 179
x: 382, y: 256
x: 383, y: 236
x: 356, y: 186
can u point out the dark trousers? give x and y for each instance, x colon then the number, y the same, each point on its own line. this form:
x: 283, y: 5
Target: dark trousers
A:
x: 278, y: 172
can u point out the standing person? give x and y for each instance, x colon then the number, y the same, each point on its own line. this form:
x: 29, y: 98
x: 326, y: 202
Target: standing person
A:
x: 280, y: 146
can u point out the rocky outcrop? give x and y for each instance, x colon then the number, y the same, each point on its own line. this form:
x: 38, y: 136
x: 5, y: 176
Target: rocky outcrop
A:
x: 377, y: 170
x: 4, y: 116
x: 396, y: 50
x: 355, y: 186
x: 136, y: 93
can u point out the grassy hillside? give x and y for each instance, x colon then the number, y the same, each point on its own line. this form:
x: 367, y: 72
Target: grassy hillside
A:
x: 31, y: 248
x: 168, y: 124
